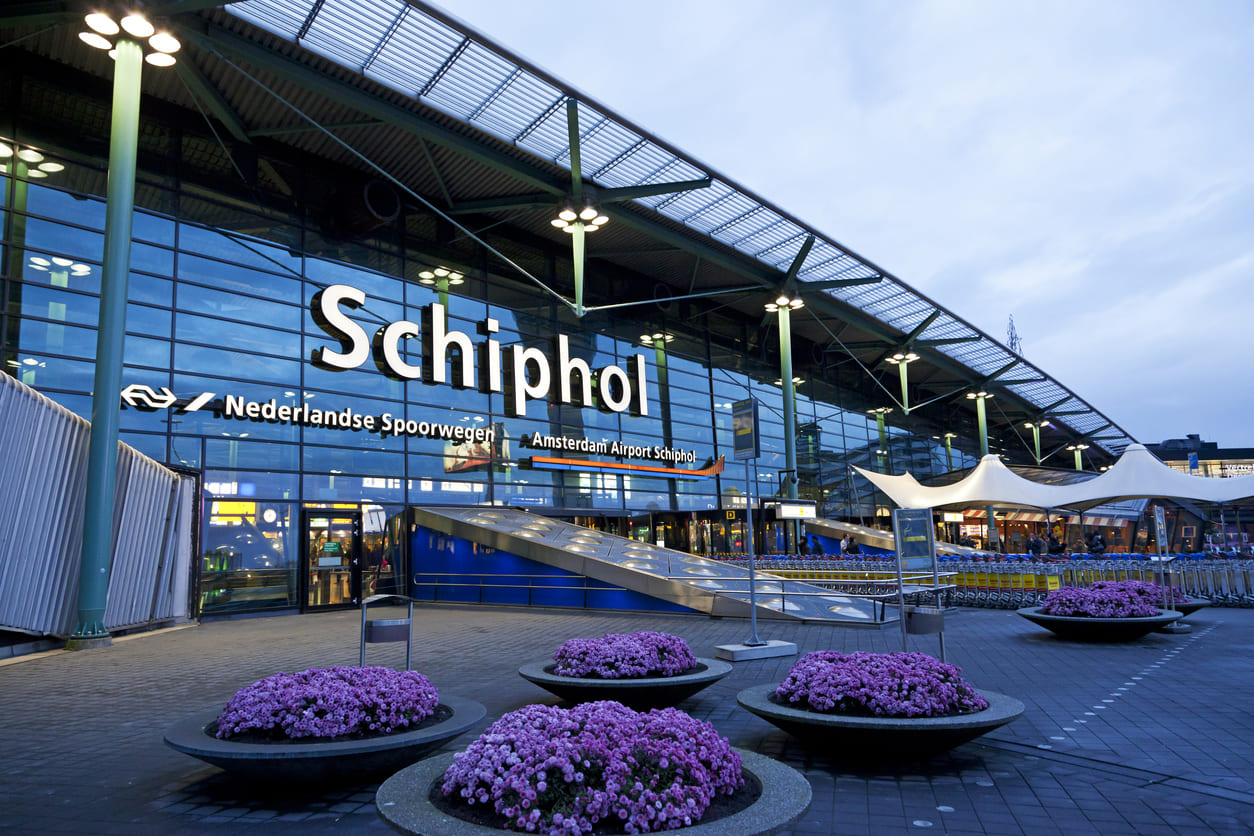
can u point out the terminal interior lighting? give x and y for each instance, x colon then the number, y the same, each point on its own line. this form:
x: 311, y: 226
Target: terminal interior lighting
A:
x: 981, y: 395
x: 1037, y: 424
x: 589, y: 217
x: 1077, y: 447
x: 654, y: 339
x: 102, y: 31
x: 900, y: 357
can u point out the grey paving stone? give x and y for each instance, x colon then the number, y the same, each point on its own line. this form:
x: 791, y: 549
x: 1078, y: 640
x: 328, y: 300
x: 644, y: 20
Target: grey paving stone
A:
x: 80, y: 732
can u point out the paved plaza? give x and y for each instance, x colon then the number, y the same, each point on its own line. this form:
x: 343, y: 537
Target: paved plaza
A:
x: 1151, y: 737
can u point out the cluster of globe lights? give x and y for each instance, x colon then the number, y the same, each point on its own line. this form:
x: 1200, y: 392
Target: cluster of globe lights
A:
x: 899, y: 357
x: 589, y: 217
x: 654, y: 339
x: 785, y: 302
x: 38, y: 167
x: 103, y: 27
x: 430, y: 277
x: 58, y: 264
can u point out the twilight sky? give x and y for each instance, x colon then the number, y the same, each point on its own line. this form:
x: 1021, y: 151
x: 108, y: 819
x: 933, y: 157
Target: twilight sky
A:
x: 1087, y: 167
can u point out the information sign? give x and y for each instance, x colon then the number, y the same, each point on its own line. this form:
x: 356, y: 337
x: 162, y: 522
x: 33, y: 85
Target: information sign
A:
x: 746, y: 443
x: 913, y: 529
x: 1160, y: 528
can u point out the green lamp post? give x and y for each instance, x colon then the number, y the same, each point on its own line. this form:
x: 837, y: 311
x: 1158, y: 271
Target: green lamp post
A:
x: 126, y: 41
x: 994, y: 536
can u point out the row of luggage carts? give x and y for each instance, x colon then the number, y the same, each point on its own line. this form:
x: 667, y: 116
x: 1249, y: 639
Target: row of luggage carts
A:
x: 1011, y: 581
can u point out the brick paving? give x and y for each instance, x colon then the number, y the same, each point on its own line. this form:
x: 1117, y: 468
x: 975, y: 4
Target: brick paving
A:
x: 1151, y: 737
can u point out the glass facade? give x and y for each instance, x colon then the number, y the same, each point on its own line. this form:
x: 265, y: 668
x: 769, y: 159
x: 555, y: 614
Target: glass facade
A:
x: 220, y: 307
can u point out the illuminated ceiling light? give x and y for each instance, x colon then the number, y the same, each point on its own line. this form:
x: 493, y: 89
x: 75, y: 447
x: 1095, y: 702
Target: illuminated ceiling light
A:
x: 589, y: 213
x: 37, y: 174
x: 6, y: 150
x: 880, y: 410
x: 159, y: 59
x: 51, y: 168
x: 567, y: 215
x: 39, y: 261
x: 30, y: 155
x: 165, y: 42
x: 113, y: 53
x: 600, y: 220
x: 102, y: 23
x: 30, y: 361
x: 559, y: 223
x: 138, y: 25
x: 570, y: 228
x: 771, y: 307
x: 62, y: 262
x: 440, y: 271
x: 782, y: 301
x: 94, y: 40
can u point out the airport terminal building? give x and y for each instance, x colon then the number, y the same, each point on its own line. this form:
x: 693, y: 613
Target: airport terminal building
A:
x: 364, y: 287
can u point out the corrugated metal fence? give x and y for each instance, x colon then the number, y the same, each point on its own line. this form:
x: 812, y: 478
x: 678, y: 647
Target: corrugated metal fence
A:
x: 43, y: 474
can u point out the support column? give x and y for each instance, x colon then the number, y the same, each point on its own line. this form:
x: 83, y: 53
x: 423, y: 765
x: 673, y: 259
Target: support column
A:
x: 790, y: 395
x: 994, y: 536
x: 102, y: 456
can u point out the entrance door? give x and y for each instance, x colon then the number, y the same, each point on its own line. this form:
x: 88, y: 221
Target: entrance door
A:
x: 333, y: 558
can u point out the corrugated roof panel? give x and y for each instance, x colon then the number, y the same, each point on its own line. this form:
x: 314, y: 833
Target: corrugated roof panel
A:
x: 417, y: 50
x: 348, y: 32
x: 282, y: 17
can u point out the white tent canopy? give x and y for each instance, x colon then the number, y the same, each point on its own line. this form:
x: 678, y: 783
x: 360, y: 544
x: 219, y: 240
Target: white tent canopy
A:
x: 1137, y: 475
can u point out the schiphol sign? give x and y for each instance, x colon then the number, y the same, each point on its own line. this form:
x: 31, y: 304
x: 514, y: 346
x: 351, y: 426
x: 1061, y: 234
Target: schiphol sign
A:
x: 520, y: 373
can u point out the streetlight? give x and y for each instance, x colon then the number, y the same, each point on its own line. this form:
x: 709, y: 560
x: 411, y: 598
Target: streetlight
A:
x: 784, y: 305
x: 949, y: 449
x: 879, y: 412
x: 126, y: 42
x: 576, y: 222
x: 994, y: 537
x: 1035, y: 427
x: 901, y: 360
x: 441, y: 278
x: 1078, y: 449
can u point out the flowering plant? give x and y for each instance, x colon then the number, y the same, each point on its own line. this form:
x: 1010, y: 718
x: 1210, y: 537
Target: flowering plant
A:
x: 1110, y: 600
x: 625, y: 656
x: 560, y: 771
x: 879, y: 684
x: 1146, y: 590
x: 329, y: 702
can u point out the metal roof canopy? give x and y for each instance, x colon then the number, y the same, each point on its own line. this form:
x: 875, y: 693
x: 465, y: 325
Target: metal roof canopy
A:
x: 492, y: 127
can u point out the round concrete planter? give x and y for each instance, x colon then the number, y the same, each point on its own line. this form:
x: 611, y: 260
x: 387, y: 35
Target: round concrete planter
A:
x: 1082, y: 628
x: 854, y: 737
x: 1190, y: 606
x: 640, y: 694
x: 321, y: 762
x: 403, y: 802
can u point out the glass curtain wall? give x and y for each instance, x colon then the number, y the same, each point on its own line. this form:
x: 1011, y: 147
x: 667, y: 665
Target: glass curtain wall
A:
x: 219, y: 306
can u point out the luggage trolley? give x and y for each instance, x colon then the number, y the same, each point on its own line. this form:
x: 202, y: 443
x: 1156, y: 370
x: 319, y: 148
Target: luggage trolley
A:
x: 379, y: 630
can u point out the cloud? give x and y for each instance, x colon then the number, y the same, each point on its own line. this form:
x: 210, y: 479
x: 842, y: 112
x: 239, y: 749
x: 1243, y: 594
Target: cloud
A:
x: 1084, y: 167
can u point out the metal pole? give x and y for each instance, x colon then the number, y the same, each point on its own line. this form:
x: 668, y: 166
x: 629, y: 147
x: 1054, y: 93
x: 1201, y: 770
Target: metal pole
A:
x: 754, y: 641
x: 102, y: 454
x: 994, y: 536
x: 790, y: 419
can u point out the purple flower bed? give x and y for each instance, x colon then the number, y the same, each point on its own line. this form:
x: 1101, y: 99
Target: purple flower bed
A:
x: 1108, y: 599
x: 329, y: 702
x: 1146, y: 590
x: 879, y: 684
x: 561, y: 771
x: 625, y: 656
